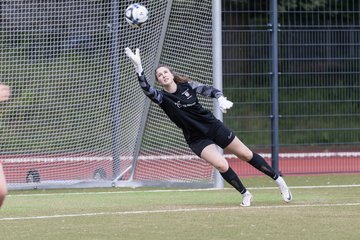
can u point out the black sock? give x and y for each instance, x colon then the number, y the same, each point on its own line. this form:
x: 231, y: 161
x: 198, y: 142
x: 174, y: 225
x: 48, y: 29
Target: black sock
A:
x: 234, y: 180
x: 260, y: 164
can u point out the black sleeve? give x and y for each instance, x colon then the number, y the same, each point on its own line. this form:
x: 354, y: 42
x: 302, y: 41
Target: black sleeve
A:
x: 155, y: 95
x: 205, y: 90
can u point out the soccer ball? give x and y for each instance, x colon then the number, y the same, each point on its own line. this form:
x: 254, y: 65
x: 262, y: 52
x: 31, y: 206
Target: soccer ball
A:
x: 136, y: 15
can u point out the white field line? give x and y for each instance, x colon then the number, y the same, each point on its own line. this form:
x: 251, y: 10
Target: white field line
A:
x: 177, y: 210
x: 175, y: 190
x: 70, y: 158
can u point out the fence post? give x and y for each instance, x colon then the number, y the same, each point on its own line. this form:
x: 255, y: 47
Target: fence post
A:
x: 274, y: 80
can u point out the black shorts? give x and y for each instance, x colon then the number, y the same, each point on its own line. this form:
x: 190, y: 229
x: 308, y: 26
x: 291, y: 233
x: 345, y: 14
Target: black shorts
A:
x: 222, y: 136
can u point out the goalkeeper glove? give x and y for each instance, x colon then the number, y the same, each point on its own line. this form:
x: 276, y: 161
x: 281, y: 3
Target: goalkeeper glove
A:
x: 135, y: 59
x: 224, y: 104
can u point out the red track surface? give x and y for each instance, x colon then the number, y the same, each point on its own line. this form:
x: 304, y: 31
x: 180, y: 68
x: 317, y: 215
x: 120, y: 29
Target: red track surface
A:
x: 304, y: 165
x: 168, y: 167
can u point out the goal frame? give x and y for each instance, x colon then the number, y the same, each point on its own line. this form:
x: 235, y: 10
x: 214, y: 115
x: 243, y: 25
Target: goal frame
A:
x: 217, y: 78
x: 115, y: 158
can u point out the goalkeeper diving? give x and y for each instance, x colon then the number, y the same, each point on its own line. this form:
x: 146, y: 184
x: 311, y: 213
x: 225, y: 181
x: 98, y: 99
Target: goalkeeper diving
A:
x: 203, y: 132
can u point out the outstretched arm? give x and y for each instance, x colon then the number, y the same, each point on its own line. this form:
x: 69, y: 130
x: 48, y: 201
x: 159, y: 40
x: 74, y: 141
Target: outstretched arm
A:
x: 205, y: 90
x: 151, y: 92
x: 209, y: 91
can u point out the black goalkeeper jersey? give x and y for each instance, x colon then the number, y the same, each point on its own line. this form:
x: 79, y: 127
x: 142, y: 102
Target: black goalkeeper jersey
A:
x: 183, y: 107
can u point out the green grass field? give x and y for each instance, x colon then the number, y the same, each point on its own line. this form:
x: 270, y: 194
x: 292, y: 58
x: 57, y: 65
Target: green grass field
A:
x: 324, y: 207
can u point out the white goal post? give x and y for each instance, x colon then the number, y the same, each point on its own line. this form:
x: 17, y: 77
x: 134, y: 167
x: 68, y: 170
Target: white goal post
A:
x: 77, y: 116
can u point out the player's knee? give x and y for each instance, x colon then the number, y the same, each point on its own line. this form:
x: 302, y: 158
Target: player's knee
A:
x: 240, y: 150
x: 248, y: 156
x: 245, y: 155
x: 222, y: 166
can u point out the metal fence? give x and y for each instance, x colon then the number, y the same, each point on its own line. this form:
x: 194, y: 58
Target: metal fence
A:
x: 317, y: 88
x: 318, y: 72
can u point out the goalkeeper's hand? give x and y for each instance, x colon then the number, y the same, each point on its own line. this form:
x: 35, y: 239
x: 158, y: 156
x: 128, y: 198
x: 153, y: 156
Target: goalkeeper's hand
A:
x: 224, y: 104
x: 135, y: 59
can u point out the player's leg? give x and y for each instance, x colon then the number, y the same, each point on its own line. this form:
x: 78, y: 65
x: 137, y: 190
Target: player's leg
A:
x: 211, y: 154
x: 3, y: 187
x: 235, y: 146
x: 239, y: 149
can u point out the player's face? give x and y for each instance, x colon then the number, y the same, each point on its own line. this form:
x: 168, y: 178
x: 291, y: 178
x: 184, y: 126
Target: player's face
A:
x: 164, y: 76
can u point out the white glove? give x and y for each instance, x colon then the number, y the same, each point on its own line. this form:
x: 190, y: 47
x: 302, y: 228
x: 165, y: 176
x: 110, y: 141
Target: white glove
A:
x: 224, y: 104
x: 135, y: 59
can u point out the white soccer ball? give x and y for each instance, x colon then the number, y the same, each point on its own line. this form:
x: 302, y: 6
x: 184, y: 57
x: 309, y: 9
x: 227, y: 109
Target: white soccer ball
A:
x: 136, y: 15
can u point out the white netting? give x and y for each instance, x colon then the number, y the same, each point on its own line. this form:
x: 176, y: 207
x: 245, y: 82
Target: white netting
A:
x: 188, y: 49
x: 77, y: 111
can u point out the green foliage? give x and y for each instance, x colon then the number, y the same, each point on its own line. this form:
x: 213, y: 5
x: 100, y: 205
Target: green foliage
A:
x: 318, y: 80
x: 310, y: 113
x: 324, y: 9
x: 312, y: 5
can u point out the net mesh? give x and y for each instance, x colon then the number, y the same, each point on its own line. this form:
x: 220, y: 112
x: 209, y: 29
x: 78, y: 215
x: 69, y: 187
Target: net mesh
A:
x: 77, y: 111
x: 188, y: 49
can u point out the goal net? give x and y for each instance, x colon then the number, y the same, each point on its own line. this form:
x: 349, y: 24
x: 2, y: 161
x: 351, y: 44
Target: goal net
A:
x: 77, y: 116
